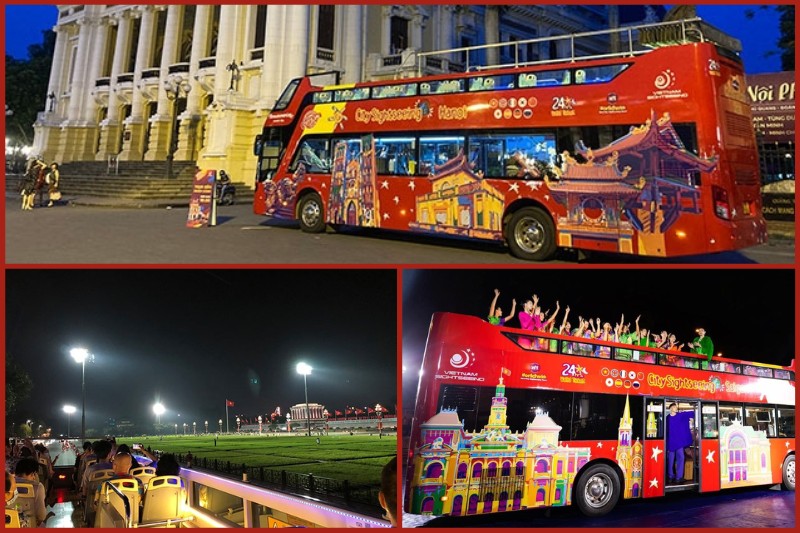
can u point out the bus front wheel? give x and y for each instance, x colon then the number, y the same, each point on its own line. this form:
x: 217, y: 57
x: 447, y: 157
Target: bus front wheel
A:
x: 311, y: 214
x: 788, y: 473
x: 597, y: 490
x: 531, y: 234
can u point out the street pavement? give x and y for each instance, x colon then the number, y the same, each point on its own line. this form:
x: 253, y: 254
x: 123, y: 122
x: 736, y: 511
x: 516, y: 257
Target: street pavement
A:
x: 98, y: 234
x: 748, y: 508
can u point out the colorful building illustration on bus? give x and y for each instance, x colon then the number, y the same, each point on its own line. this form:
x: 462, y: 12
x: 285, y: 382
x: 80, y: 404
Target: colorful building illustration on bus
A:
x: 353, y: 196
x: 655, y: 186
x: 495, y: 469
x: 460, y: 203
x: 744, y: 455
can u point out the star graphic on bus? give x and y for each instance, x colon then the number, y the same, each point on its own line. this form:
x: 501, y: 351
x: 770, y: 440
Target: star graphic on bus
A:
x: 710, y: 456
x: 514, y: 187
x: 654, y: 483
x: 656, y: 451
x: 599, y: 444
x: 386, y: 216
x: 533, y: 185
x: 396, y: 200
x: 412, y: 185
x: 385, y: 184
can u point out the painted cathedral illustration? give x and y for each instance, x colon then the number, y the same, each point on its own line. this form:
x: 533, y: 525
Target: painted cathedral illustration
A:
x: 495, y: 469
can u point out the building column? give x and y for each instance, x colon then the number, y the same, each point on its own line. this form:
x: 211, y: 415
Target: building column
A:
x: 296, y: 45
x: 86, y: 149
x: 161, y: 123
x: 110, y: 127
x: 190, y: 120
x: 352, y: 53
x: 47, y: 129
x: 272, y: 85
x: 492, y: 33
x: 133, y: 139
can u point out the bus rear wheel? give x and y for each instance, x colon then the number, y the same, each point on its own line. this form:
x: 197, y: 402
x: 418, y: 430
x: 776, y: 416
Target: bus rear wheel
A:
x: 597, y: 490
x: 311, y: 214
x: 788, y: 473
x: 531, y: 234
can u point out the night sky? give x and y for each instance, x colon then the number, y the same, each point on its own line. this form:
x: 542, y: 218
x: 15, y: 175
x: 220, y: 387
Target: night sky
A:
x: 194, y: 338
x: 749, y: 314
x: 24, y: 25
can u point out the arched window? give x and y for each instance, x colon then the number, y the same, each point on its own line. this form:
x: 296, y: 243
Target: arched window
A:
x: 517, y: 500
x: 427, y: 506
x: 502, y: 503
x: 473, y: 504
x: 492, y: 472
x: 542, y: 466
x: 487, y: 502
x: 520, y: 468
x: 540, y: 495
x: 506, y: 469
x: 434, y: 470
x: 476, y: 470
x: 458, y: 503
x: 462, y: 471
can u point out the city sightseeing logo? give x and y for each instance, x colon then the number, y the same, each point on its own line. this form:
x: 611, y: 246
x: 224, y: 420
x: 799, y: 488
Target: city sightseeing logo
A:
x: 665, y: 80
x: 464, y: 359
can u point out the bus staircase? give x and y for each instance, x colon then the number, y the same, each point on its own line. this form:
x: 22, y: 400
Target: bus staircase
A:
x: 359, y: 498
x: 628, y: 41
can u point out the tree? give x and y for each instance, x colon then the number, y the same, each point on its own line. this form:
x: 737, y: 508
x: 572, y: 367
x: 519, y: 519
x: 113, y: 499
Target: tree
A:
x: 26, y: 88
x: 785, y: 42
x: 18, y: 385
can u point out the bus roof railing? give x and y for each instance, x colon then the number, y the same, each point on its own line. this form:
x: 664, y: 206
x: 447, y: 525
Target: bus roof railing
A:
x: 636, y: 40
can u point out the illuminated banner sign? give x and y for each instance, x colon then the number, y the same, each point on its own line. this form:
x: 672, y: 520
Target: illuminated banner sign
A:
x: 202, y: 198
x: 772, y: 100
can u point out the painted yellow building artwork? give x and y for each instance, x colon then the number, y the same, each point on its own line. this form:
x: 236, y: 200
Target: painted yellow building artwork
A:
x: 496, y: 469
x: 744, y: 456
x: 460, y: 203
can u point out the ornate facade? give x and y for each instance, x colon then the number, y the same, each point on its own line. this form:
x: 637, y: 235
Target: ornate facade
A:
x: 141, y: 82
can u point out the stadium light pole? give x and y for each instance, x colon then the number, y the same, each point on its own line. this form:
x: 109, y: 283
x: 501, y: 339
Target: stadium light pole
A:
x: 80, y: 355
x: 69, y: 409
x: 305, y: 370
x: 158, y: 409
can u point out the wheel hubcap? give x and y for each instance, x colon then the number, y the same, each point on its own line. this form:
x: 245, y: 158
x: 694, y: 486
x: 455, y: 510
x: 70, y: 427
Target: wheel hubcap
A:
x: 530, y: 235
x: 790, y: 472
x: 599, y: 490
x: 311, y: 213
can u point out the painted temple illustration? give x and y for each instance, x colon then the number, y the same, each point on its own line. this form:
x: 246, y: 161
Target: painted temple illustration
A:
x: 461, y: 203
x: 647, y: 176
x: 495, y: 469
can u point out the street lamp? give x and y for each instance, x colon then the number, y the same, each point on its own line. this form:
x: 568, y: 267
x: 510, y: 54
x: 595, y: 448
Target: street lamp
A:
x: 69, y: 409
x: 206, y: 426
x: 158, y: 409
x: 176, y: 429
x: 194, y: 428
x: 175, y: 87
x: 184, y: 429
x: 220, y: 425
x: 305, y: 370
x: 80, y: 355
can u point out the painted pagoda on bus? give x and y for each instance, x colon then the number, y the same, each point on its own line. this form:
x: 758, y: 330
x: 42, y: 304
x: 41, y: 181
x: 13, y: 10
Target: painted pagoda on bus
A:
x: 495, y: 469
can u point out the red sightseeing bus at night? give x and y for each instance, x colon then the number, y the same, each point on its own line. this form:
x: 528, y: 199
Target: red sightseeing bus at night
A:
x: 508, y: 419
x: 646, y: 150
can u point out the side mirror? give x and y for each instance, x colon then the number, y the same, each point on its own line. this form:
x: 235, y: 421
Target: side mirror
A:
x: 258, y: 146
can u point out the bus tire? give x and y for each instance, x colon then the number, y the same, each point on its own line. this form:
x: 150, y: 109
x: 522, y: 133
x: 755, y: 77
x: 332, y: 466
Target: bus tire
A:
x: 788, y: 473
x: 531, y: 234
x: 311, y: 213
x: 597, y: 490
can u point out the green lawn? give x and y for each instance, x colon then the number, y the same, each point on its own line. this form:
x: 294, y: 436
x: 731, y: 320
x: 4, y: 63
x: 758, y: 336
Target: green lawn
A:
x: 356, y: 458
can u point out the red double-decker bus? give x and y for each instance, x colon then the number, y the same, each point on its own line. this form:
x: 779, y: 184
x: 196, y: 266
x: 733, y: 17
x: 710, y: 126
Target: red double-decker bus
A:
x: 647, y: 150
x: 507, y: 419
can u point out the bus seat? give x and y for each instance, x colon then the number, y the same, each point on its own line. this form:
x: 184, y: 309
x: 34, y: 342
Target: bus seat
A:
x: 26, y: 503
x: 144, y: 474
x: 12, y: 519
x: 163, y: 500
x: 130, y: 488
x: 95, y: 480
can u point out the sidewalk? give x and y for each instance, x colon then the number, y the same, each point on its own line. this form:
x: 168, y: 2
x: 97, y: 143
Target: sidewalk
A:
x: 780, y: 230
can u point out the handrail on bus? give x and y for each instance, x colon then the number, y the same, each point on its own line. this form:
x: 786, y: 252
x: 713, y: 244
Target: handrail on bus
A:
x: 128, y: 512
x: 695, y: 25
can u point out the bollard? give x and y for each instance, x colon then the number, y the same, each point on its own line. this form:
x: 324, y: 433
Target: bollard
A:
x: 244, y: 473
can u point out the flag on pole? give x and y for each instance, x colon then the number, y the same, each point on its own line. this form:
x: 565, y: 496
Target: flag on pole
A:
x: 505, y: 371
x: 370, y: 410
x: 278, y: 410
x: 338, y: 413
x: 228, y: 403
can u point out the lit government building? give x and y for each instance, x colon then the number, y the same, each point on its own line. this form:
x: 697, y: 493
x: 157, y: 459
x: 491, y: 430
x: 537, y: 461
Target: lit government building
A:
x: 125, y: 77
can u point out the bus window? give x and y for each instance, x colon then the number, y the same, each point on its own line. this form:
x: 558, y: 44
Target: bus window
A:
x: 760, y: 418
x: 223, y: 506
x: 709, y: 427
x: 623, y: 354
x: 655, y: 419
x: 596, y: 416
x: 728, y: 414
x: 350, y: 95
x: 599, y: 74
x: 525, y: 404
x: 267, y: 517
x: 721, y: 366
x: 287, y: 95
x: 315, y: 155
x: 462, y: 398
x: 396, y: 155
x: 644, y: 357
x: 546, y: 78
x: 491, y: 83
x: 512, y: 155
x: 436, y: 151
x: 324, y: 97
x: 782, y: 374
x: 786, y: 422
x: 394, y: 91
x: 757, y: 371
x: 537, y: 344
x: 441, y: 87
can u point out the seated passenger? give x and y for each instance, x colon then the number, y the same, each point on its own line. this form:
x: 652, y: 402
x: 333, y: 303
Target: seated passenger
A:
x: 122, y: 466
x: 11, y: 490
x: 496, y: 317
x: 102, y: 450
x: 168, y: 466
x: 388, y: 493
x: 26, y: 472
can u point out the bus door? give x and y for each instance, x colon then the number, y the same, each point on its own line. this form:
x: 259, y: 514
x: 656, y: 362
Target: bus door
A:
x: 686, y: 471
x: 709, y: 459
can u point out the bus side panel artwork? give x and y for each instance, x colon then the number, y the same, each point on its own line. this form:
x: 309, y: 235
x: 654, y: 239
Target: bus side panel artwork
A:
x: 744, y: 456
x: 497, y: 469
